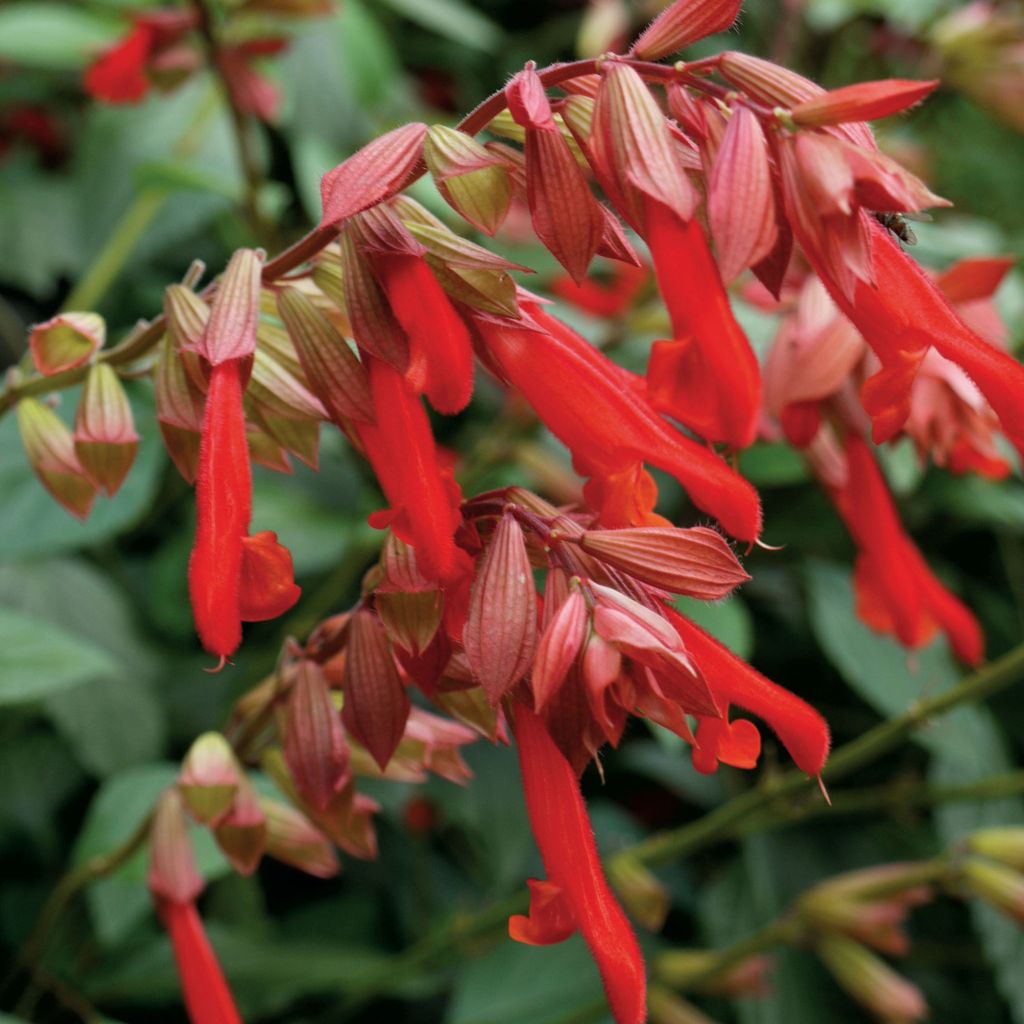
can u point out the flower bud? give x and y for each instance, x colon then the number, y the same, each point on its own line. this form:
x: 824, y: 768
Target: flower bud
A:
x: 685, y: 969
x: 501, y: 628
x: 683, y: 23
x: 105, y: 437
x: 314, y: 745
x: 697, y: 562
x: 1005, y: 845
x: 231, y: 330
x: 998, y: 885
x: 411, y: 619
x: 292, y: 839
x: 871, y: 981
x: 173, y: 874
x: 331, y: 367
x: 66, y: 341
x: 241, y: 834
x: 376, y: 705
x: 473, y: 180
x: 864, y: 101
x: 645, y: 898
x: 51, y: 454
x: 209, y: 777
x: 558, y: 647
x: 379, y: 170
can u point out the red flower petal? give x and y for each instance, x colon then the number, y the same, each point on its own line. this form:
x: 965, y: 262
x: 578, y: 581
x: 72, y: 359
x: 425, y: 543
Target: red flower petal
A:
x: 267, y: 586
x: 118, y: 74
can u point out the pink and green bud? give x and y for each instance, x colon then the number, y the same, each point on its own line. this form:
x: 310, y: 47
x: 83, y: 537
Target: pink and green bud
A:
x: 683, y: 23
x: 209, y: 778
x: 871, y: 981
x: 741, y: 205
x: 501, y: 629
x: 50, y: 450
x: 315, y: 749
x: 293, y: 839
x: 697, y: 562
x: 1000, y: 886
x: 411, y: 619
x: 105, y: 437
x: 173, y: 874
x: 865, y: 101
x: 559, y: 646
x: 376, y: 705
x: 241, y: 834
x: 231, y: 330
x: 473, y: 180
x: 379, y: 170
x: 331, y: 367
x: 66, y: 341
x: 1005, y: 845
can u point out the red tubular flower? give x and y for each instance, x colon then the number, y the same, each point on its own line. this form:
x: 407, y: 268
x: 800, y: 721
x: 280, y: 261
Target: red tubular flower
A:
x: 231, y: 575
x: 223, y: 510
x: 207, y: 996
x: 400, y: 446
x: 440, y: 353
x: 707, y: 377
x: 563, y: 834
x: 118, y: 74
x: 802, y: 730
x: 896, y: 591
x: 597, y: 410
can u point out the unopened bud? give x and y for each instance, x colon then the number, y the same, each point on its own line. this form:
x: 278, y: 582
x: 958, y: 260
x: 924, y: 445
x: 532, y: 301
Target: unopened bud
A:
x: 292, y: 839
x: 231, y: 330
x: 173, y: 874
x: 241, y: 834
x: 683, y: 23
x: 473, y: 180
x: 645, y: 898
x: 697, y: 562
x: 871, y: 981
x: 698, y: 970
x: 411, y: 619
x: 1005, y: 845
x: 998, y: 885
x: 66, y: 341
x: 314, y: 745
x: 51, y: 454
x: 105, y: 439
x: 209, y: 777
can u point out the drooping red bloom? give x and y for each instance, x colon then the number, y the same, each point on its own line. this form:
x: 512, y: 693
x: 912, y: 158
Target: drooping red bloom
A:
x: 424, y: 498
x: 707, y: 376
x: 598, y: 411
x: 603, y: 300
x: 896, y: 591
x: 207, y: 996
x: 802, y: 730
x: 232, y: 576
x: 583, y: 900
x: 120, y: 73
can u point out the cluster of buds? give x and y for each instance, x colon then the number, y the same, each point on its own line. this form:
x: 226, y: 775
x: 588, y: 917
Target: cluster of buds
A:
x: 756, y: 169
x: 164, y: 48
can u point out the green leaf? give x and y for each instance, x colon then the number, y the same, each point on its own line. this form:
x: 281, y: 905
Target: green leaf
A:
x: 773, y: 465
x: 972, y: 499
x: 120, y: 901
x: 884, y: 674
x: 179, y: 176
x: 515, y: 983
x: 727, y: 621
x: 33, y: 524
x: 56, y: 37
x: 37, y: 660
x: 452, y: 19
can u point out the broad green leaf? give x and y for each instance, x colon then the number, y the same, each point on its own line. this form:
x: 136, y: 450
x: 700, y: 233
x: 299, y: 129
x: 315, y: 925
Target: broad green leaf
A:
x: 452, y: 19
x: 179, y: 176
x: 37, y: 659
x: 120, y: 901
x: 540, y: 984
x: 33, y: 524
x: 56, y: 37
x: 972, y: 499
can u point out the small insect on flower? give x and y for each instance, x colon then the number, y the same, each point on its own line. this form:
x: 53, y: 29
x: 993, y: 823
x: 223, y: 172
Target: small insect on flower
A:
x: 896, y: 224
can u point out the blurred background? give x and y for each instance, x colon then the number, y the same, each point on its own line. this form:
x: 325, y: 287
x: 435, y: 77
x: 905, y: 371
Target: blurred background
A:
x: 101, y: 681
